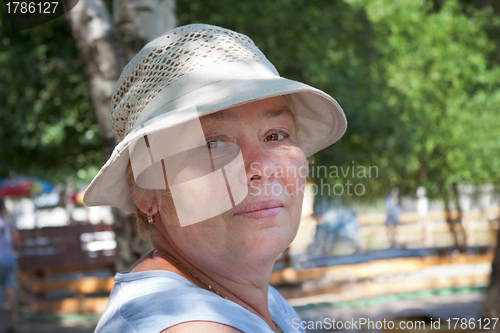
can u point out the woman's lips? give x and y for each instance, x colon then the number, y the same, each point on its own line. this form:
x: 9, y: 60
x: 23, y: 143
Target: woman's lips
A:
x: 261, y: 209
x: 262, y: 214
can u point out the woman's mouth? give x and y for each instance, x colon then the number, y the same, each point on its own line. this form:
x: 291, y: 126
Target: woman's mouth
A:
x: 261, y: 209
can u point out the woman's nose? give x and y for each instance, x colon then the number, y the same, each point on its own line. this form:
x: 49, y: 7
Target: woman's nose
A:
x: 259, y: 164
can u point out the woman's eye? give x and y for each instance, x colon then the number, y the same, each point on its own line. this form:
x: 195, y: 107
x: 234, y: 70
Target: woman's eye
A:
x: 275, y: 137
x: 215, y: 144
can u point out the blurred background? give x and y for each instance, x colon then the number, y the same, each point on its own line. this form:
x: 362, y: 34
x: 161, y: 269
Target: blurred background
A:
x: 400, y: 218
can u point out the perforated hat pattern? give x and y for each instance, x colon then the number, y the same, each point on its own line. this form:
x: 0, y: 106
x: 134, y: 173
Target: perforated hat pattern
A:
x: 168, y: 58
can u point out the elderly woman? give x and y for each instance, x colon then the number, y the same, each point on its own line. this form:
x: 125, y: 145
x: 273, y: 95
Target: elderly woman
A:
x: 212, y: 157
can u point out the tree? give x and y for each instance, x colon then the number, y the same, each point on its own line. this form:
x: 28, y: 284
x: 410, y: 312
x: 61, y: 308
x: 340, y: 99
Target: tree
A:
x: 105, y: 47
x: 441, y: 96
x: 442, y: 69
x: 48, y: 125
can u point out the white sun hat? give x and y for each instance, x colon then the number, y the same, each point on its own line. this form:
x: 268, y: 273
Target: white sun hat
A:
x: 211, y: 69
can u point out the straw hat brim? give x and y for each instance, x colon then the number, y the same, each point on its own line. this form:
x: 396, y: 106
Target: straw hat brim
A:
x: 321, y: 122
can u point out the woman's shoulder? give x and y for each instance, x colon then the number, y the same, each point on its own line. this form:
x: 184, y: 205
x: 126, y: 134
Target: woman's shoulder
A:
x: 201, y: 326
x: 282, y: 312
x: 151, y: 281
x: 152, y: 301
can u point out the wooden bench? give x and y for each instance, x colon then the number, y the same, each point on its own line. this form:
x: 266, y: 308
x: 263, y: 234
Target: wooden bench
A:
x: 52, y: 251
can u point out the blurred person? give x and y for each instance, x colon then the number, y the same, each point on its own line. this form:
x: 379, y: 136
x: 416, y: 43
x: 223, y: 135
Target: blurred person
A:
x: 9, y: 239
x: 392, y: 210
x: 422, y: 202
x: 211, y: 141
x: 336, y: 229
x: 422, y: 211
x: 317, y: 247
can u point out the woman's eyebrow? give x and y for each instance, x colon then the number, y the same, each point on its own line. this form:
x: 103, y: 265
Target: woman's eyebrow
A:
x: 284, y: 110
x: 226, y: 115
x: 223, y: 115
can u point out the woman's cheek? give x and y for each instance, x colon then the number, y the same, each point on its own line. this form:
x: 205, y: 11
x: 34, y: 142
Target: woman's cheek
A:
x: 294, y: 166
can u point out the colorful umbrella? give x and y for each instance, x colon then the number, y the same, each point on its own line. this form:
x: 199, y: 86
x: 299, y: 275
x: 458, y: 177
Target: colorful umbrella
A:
x: 77, y: 197
x: 24, y: 187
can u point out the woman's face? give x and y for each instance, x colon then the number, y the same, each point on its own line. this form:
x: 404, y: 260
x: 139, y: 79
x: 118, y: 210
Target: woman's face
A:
x: 266, y: 221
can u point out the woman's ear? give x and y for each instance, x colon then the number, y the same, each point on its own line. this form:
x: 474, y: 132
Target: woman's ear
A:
x: 143, y: 199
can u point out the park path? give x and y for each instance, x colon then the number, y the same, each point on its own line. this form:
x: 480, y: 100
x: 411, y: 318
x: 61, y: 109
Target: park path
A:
x: 466, y: 305
x: 45, y: 327
x: 457, y: 305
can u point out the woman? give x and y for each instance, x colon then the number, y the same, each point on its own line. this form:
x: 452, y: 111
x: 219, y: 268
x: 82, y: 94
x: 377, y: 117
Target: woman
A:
x: 212, y: 157
x: 9, y: 238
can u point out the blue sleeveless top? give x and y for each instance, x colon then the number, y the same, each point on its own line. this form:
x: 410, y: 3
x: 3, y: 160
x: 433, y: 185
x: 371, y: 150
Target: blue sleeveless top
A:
x: 6, y: 250
x: 152, y: 301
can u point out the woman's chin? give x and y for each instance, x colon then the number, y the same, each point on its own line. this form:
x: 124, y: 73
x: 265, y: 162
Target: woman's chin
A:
x: 264, y: 244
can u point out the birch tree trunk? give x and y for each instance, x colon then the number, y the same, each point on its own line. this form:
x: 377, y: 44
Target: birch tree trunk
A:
x: 106, y: 43
x: 141, y: 21
x: 103, y: 58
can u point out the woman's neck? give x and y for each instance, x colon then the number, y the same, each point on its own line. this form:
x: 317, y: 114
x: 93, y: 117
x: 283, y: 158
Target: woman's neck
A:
x: 245, y: 283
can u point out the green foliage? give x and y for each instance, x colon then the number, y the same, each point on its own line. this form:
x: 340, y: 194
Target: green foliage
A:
x: 47, y: 123
x: 442, y: 92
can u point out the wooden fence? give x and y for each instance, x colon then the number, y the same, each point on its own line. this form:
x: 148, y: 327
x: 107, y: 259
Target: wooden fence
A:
x: 432, y: 230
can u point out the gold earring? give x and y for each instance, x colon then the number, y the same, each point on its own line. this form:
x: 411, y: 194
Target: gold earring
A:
x: 151, y: 220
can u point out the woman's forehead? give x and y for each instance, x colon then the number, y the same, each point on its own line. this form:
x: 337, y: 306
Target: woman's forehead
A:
x: 274, y: 107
